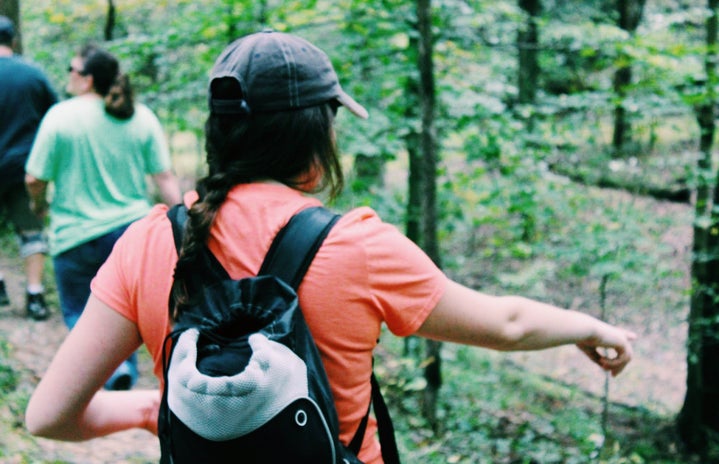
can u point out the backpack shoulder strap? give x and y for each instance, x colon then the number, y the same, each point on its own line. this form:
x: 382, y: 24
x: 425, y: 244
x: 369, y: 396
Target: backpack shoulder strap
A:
x: 306, y: 231
x: 178, y: 217
x: 295, y: 245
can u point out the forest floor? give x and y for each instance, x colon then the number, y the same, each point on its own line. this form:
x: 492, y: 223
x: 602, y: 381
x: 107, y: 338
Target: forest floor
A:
x: 655, y: 380
x: 32, y: 345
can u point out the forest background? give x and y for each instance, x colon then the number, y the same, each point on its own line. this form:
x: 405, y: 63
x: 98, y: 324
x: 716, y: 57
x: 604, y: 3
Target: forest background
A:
x: 568, y: 162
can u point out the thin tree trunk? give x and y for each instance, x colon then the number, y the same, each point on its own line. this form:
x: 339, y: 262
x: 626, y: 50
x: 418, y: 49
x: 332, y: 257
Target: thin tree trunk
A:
x: 413, y: 221
x: 110, y: 21
x: 528, y: 47
x: 11, y: 9
x: 412, y: 143
x: 414, y: 194
x: 428, y: 138
x: 433, y: 372
x: 622, y: 126
x: 630, y: 14
x: 697, y: 420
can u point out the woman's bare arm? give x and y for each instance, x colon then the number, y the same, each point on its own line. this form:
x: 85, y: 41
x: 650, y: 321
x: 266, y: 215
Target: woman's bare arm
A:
x: 168, y: 186
x: 37, y: 190
x: 513, y: 323
x: 69, y: 404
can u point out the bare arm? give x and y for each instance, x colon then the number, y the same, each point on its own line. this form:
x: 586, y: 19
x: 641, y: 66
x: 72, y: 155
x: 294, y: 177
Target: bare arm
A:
x: 512, y: 323
x: 68, y: 403
x: 168, y: 186
x: 37, y: 189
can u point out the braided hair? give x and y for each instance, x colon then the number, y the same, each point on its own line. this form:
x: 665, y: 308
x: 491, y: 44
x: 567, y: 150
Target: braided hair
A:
x: 291, y: 147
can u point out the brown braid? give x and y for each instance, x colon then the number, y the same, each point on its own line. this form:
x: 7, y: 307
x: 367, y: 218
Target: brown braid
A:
x: 200, y: 218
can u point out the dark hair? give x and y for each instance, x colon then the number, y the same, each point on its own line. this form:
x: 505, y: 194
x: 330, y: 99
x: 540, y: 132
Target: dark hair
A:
x: 7, y: 31
x: 290, y: 147
x: 108, y: 81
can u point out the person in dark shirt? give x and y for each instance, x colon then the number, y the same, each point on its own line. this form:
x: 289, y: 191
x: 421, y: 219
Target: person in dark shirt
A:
x: 25, y: 97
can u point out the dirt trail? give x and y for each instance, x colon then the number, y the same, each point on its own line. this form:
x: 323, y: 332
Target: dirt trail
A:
x: 32, y: 346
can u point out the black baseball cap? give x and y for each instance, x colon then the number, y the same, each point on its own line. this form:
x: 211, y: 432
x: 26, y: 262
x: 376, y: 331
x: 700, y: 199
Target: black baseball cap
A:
x: 7, y: 29
x: 277, y: 72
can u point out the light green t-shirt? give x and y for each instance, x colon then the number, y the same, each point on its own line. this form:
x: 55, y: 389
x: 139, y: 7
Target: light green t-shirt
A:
x: 98, y: 166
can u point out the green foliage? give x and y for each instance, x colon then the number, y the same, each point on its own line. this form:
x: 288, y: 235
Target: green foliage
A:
x: 493, y: 411
x: 168, y: 58
x: 575, y: 55
x: 8, y: 376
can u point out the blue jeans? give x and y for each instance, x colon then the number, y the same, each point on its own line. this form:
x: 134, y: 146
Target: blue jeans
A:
x: 74, y: 270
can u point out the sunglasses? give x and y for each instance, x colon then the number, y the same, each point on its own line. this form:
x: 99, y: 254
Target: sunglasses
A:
x: 79, y: 71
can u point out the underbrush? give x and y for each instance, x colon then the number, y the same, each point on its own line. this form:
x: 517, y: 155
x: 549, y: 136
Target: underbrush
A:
x: 12, y: 401
x: 493, y: 411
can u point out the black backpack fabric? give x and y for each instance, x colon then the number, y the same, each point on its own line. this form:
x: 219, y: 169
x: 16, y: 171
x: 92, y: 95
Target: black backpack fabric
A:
x: 244, y: 381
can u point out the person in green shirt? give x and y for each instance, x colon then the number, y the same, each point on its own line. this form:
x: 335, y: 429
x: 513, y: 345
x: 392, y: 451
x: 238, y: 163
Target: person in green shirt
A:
x: 96, y: 151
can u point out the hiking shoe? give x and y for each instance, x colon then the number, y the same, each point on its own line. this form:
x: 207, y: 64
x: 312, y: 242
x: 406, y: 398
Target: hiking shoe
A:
x: 36, y: 307
x: 123, y: 378
x: 120, y: 382
x: 4, y: 299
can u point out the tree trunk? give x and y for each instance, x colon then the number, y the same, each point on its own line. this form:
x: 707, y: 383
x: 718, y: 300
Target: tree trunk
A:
x: 630, y: 14
x: 698, y: 419
x: 414, y: 194
x: 528, y: 47
x: 110, y: 22
x: 428, y: 146
x: 413, y: 224
x: 11, y: 9
x: 368, y: 171
x: 412, y: 143
x: 622, y: 126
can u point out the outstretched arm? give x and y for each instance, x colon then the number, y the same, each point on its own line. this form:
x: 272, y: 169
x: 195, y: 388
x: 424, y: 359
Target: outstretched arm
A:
x: 513, y: 323
x: 168, y: 186
x: 37, y: 190
x: 69, y: 404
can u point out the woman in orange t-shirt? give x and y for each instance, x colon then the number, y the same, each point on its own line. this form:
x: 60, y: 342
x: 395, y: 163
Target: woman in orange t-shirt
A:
x: 270, y: 140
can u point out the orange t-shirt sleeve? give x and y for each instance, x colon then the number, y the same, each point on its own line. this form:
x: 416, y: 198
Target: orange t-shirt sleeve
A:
x: 110, y: 284
x: 136, y: 278
x: 130, y: 274
x: 403, y: 283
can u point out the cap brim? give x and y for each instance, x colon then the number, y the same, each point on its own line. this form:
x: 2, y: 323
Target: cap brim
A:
x: 354, y: 107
